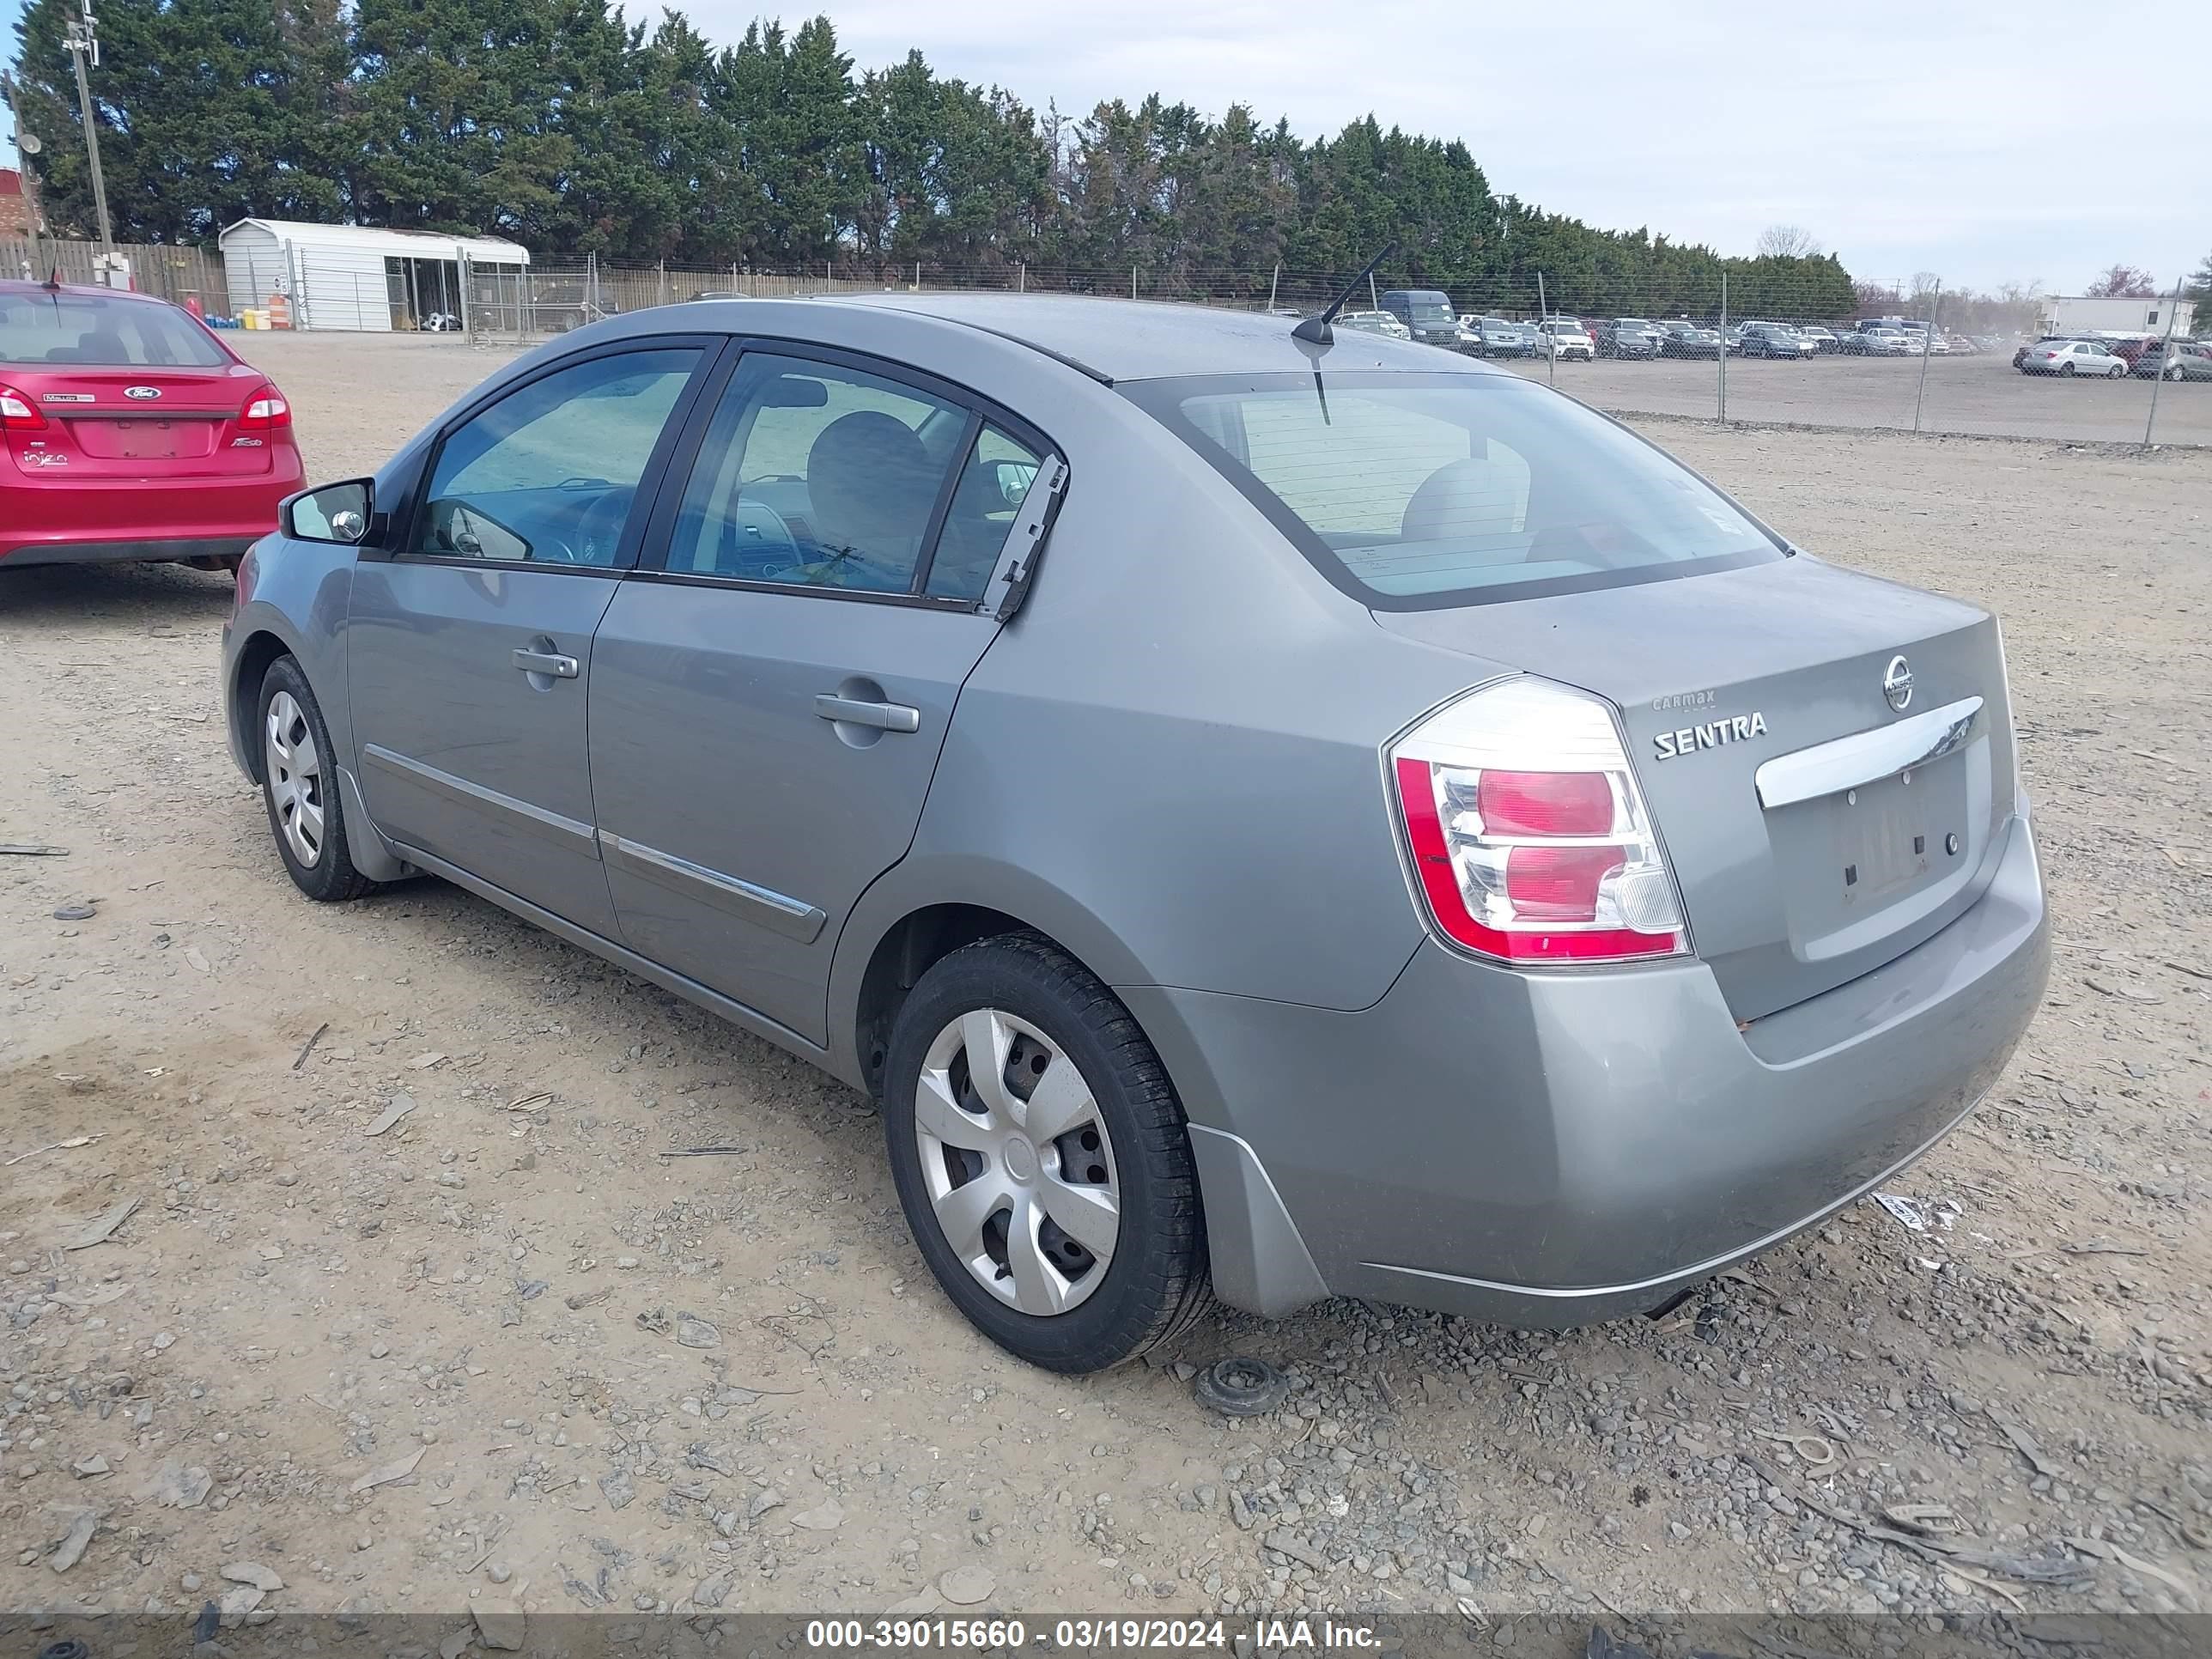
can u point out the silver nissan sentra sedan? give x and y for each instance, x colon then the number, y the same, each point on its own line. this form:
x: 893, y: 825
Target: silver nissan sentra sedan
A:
x: 1306, y: 817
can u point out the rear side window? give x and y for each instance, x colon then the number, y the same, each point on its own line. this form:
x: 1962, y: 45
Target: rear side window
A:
x: 1426, y: 491
x: 89, y: 332
x: 816, y: 475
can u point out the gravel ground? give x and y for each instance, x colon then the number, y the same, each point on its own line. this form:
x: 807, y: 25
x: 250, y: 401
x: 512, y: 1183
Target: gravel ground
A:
x: 504, y: 1355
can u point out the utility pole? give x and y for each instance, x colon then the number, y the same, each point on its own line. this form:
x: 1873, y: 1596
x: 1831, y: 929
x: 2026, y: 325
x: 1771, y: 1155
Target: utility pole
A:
x: 26, y: 146
x: 84, y: 43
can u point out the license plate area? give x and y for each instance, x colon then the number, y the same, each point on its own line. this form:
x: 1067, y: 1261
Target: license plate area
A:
x: 143, y: 441
x: 1848, y: 859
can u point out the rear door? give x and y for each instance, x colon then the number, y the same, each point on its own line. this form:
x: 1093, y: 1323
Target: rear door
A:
x: 470, y: 640
x: 770, y: 691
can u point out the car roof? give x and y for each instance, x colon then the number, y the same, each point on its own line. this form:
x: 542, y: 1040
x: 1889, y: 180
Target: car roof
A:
x: 1115, y: 340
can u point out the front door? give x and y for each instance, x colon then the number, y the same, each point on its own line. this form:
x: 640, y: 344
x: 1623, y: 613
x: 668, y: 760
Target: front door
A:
x: 769, y: 703
x: 470, y: 642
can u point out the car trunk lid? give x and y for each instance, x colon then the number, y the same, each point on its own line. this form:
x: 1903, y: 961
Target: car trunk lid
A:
x: 1839, y: 858
x: 133, y: 423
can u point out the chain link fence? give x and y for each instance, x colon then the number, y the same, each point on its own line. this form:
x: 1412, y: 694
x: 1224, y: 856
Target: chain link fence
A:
x: 1903, y: 356
x: 1914, y: 360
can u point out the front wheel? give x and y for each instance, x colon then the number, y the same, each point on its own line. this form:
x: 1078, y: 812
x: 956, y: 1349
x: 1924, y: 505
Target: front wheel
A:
x: 299, y: 788
x: 1042, y: 1159
x: 2115, y: 373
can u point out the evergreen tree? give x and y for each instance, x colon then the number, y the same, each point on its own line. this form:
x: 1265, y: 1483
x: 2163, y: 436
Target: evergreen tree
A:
x: 560, y: 124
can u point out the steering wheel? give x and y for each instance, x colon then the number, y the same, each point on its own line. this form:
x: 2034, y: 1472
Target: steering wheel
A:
x: 597, y: 533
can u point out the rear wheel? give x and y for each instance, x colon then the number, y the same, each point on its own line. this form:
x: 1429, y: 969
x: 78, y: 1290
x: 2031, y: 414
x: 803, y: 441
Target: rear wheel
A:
x: 1042, y: 1159
x: 299, y: 788
x: 2066, y: 370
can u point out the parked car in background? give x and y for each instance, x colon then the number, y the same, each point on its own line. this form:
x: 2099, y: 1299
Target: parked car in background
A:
x: 1732, y: 338
x: 2178, y: 359
x: 1823, y: 339
x: 129, y: 431
x: 1567, y: 338
x: 1774, y: 340
x: 2069, y: 358
x: 1963, y: 345
x: 1680, y: 886
x: 1495, y: 336
x: 2129, y: 348
x: 1886, y: 342
x: 2020, y: 357
x: 1689, y: 340
x: 1628, y: 336
x: 1427, y: 314
x: 1374, y: 322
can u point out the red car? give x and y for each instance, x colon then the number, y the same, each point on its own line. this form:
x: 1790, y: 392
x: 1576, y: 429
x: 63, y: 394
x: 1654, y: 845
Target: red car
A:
x: 129, y: 431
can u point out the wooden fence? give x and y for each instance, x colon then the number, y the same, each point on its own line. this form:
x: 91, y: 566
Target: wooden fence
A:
x: 172, y: 273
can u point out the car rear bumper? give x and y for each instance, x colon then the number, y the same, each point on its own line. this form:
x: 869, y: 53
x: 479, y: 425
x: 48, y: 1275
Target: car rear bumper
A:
x: 1552, y: 1149
x: 46, y: 521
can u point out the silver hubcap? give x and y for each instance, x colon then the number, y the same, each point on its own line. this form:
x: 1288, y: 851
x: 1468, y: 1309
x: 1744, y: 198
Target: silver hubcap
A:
x: 294, y: 771
x: 1017, y: 1161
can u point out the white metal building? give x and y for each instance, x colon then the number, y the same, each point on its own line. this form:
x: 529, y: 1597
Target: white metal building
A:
x: 2074, y: 313
x: 355, y: 277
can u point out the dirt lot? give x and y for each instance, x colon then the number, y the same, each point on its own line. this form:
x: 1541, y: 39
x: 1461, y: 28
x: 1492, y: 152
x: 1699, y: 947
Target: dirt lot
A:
x: 1981, y: 395
x: 482, y: 1298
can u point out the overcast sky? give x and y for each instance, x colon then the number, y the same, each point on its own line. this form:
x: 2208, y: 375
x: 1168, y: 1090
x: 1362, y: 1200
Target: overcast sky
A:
x: 1984, y: 140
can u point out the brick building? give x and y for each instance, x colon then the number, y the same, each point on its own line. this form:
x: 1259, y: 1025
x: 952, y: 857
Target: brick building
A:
x: 14, y: 210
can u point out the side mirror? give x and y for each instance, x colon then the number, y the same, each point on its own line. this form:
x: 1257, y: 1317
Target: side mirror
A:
x: 337, y: 513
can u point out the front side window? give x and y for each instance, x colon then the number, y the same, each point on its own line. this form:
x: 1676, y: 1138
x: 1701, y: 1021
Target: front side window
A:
x: 1424, y: 491
x: 821, y: 476
x: 549, y: 474
x: 93, y: 333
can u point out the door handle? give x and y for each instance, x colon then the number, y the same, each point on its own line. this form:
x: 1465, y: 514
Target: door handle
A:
x: 883, y: 716
x: 547, y: 662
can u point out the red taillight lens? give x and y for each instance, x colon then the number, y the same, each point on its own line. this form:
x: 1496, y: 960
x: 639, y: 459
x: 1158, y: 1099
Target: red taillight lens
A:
x: 1545, y: 802
x: 18, y: 413
x: 1529, y: 837
x: 1558, y: 884
x: 266, y: 408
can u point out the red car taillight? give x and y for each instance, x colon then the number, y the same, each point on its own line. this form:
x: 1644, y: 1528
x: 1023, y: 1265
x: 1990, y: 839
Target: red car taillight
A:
x: 264, y: 410
x: 18, y: 413
x: 1529, y: 837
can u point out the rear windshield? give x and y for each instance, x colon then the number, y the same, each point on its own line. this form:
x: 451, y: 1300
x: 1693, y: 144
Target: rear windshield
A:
x: 85, y: 329
x: 1416, y: 492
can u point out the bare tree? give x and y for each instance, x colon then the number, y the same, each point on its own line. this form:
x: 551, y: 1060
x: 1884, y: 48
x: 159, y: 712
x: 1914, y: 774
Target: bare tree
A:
x: 1786, y: 242
x: 2122, y: 282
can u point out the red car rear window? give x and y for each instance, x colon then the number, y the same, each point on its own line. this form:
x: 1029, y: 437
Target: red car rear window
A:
x: 89, y: 330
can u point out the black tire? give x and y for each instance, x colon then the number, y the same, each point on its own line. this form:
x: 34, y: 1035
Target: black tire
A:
x: 2066, y: 370
x: 1156, y: 1282
x: 330, y: 878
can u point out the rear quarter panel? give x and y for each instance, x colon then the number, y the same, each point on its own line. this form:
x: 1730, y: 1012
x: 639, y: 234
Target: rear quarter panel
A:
x: 1170, y: 759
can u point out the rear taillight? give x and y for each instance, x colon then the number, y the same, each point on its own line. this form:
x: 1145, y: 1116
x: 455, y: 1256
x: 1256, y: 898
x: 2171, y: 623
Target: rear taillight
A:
x: 266, y: 408
x: 1529, y: 839
x: 18, y: 413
